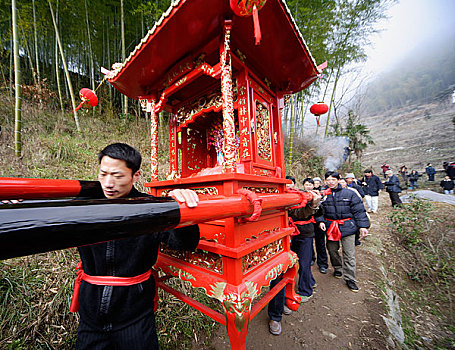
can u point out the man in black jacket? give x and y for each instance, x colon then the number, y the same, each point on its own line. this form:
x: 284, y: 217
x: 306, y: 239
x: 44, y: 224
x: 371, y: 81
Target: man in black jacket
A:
x: 118, y: 314
x: 344, y: 214
x: 371, y: 187
x: 393, y: 188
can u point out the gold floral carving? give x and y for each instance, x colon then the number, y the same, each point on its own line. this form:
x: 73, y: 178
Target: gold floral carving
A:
x: 293, y: 258
x: 263, y: 131
x: 261, y: 255
x: 202, y: 104
x: 216, y: 237
x: 275, y: 272
x: 262, y: 189
x: 255, y: 236
x: 211, y: 191
x: 184, y: 275
x: 201, y: 258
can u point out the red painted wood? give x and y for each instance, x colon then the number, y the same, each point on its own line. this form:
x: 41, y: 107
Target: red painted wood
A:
x: 25, y: 188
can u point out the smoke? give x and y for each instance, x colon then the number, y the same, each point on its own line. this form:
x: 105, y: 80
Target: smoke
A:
x: 334, y: 150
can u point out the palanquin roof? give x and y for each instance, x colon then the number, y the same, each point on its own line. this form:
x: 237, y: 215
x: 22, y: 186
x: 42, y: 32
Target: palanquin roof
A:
x: 188, y: 25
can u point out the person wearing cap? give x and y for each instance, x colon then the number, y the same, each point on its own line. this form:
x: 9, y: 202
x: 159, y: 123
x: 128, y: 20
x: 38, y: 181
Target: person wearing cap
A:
x: 352, y: 182
x: 392, y: 185
x: 317, y: 182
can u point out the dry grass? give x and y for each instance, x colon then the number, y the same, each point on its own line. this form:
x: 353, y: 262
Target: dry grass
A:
x: 35, y: 291
x: 423, y: 266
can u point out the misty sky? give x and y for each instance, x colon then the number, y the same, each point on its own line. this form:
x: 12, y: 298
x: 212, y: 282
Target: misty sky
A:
x: 410, y: 23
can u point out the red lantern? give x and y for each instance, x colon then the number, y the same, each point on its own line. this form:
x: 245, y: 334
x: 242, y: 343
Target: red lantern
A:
x: 246, y: 8
x: 87, y: 96
x: 317, y: 109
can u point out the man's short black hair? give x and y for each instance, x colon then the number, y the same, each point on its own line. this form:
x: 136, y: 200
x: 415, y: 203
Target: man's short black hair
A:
x: 308, y: 179
x: 368, y: 171
x: 332, y: 174
x: 122, y: 151
x: 291, y: 178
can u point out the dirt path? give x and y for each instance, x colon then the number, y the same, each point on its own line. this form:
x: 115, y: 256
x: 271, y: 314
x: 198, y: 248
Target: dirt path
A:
x: 335, y: 318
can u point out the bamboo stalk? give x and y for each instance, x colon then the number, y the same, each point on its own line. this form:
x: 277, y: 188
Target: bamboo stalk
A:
x: 17, y: 82
x: 70, y: 86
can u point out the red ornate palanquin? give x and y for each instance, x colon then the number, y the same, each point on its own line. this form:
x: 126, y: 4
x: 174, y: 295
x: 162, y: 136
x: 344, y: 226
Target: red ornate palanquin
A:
x: 201, y: 63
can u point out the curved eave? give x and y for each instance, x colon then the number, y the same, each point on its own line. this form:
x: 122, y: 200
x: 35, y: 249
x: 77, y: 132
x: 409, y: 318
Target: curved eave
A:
x: 283, y: 57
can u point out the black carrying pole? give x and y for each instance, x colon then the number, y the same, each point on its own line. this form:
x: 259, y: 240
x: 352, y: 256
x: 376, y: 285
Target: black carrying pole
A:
x: 30, y: 228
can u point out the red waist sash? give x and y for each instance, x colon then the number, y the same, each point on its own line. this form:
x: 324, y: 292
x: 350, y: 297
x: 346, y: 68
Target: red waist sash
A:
x: 293, y: 223
x: 102, y: 281
x: 333, y: 232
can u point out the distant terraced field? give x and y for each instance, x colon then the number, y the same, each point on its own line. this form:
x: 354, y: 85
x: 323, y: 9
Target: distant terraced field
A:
x: 415, y: 136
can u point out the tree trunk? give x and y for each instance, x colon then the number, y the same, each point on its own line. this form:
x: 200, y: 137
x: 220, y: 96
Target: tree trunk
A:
x: 91, y: 64
x: 122, y: 26
x: 17, y: 82
x: 70, y: 86
x: 35, y: 37
x: 57, y: 69
x: 331, y: 101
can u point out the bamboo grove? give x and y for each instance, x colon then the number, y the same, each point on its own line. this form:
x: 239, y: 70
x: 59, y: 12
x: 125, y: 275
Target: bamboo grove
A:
x: 63, y: 44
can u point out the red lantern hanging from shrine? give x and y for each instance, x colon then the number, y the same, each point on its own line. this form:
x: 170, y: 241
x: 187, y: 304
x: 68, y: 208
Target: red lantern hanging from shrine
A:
x: 318, y: 109
x: 245, y: 8
x: 88, y: 97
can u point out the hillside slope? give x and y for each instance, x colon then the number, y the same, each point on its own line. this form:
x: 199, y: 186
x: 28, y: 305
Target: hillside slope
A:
x: 414, y: 136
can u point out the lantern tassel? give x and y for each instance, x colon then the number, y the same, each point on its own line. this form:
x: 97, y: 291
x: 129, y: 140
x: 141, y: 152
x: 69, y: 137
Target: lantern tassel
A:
x: 257, y: 26
x: 317, y: 120
x: 79, y: 107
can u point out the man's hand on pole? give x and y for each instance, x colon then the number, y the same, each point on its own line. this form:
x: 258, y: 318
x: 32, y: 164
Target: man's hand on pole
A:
x: 185, y: 196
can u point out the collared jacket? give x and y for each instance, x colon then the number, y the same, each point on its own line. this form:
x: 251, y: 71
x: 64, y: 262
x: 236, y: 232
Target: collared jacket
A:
x: 447, y: 184
x: 392, y: 184
x: 343, y: 203
x: 371, y: 185
x: 305, y: 214
x: 357, y: 187
x: 108, y: 307
x: 430, y: 170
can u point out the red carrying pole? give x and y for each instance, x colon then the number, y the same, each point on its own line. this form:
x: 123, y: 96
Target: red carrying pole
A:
x: 25, y: 188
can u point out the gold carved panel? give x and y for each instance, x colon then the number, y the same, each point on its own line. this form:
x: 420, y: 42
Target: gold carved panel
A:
x: 263, y: 131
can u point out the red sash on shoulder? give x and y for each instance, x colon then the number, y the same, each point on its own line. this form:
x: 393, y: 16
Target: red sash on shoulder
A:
x: 102, y: 281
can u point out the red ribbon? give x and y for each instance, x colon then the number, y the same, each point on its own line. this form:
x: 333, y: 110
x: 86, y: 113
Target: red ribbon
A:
x: 257, y: 26
x: 102, y: 281
x: 257, y: 204
x: 305, y: 197
x: 293, y: 224
x: 334, y: 233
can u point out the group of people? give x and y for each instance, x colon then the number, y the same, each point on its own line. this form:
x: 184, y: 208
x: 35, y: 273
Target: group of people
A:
x: 336, y: 217
x: 447, y: 184
x: 115, y: 289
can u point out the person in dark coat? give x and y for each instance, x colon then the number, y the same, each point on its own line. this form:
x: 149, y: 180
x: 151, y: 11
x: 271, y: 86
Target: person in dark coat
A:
x: 302, y: 244
x: 392, y: 185
x: 451, y: 170
x: 372, y: 185
x: 431, y: 171
x: 122, y: 317
x: 404, y: 174
x: 344, y: 214
x: 413, y: 178
x: 352, y: 182
x: 447, y: 185
x: 384, y: 168
x: 320, y: 256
